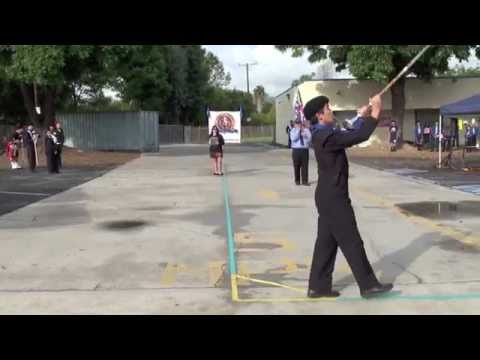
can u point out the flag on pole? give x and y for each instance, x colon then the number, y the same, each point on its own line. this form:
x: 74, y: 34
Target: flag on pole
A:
x: 298, y: 108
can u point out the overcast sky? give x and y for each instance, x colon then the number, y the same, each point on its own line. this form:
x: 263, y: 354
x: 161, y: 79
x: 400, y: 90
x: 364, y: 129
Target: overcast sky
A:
x: 275, y: 70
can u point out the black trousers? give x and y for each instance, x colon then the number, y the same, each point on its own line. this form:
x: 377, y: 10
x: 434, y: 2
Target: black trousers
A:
x: 338, y: 228
x: 32, y: 160
x: 52, y: 162
x: 300, y: 159
x: 59, y: 157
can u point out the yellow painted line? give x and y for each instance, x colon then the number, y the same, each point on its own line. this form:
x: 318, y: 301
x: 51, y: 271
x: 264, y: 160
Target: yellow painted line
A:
x: 234, y: 286
x: 243, y: 269
x: 284, y: 300
x: 236, y: 298
x: 268, y: 194
x: 272, y: 283
x: 215, y: 271
x: 458, y: 235
x: 169, y: 275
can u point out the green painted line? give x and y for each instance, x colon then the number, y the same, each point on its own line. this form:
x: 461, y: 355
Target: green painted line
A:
x: 232, y: 261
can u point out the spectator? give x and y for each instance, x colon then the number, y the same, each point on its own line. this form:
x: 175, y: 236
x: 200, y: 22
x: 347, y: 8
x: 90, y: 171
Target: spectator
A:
x: 216, y: 143
x: 301, y: 138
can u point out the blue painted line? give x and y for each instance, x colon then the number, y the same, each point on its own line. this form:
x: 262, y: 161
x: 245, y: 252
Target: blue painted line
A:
x: 232, y: 261
x: 425, y: 297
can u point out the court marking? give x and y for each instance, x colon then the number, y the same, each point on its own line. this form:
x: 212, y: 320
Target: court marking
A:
x: 23, y: 193
x: 234, y: 276
x: 268, y: 194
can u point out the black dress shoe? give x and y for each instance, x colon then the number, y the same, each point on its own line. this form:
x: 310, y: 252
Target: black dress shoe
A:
x: 378, y: 290
x: 312, y: 294
x: 297, y: 183
x: 306, y: 184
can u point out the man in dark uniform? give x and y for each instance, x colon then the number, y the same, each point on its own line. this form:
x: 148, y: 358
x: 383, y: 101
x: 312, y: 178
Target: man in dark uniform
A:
x: 30, y: 147
x: 60, y: 135
x: 337, y: 226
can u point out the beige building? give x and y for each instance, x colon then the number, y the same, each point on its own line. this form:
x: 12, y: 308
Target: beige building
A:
x: 423, y: 99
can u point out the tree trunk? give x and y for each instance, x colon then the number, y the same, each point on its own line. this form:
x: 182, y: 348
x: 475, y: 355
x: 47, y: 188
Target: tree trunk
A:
x: 28, y: 101
x: 398, y: 104
x: 48, y: 105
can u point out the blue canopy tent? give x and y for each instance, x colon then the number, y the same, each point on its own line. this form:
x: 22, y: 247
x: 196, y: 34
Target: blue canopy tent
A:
x: 468, y: 106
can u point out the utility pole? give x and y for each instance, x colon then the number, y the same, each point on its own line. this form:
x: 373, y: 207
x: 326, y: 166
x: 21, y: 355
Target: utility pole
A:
x: 247, y: 67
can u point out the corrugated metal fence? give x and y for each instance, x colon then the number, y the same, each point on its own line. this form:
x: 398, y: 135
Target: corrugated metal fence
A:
x: 137, y: 131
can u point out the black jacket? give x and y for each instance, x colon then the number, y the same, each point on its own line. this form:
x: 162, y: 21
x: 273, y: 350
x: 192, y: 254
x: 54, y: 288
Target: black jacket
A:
x: 329, y: 145
x: 60, y: 136
x: 27, y: 140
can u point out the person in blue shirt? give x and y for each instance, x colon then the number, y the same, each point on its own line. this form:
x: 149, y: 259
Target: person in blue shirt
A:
x: 300, y: 138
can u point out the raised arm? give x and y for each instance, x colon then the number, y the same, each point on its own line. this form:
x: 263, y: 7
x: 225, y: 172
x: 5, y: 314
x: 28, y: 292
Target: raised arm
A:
x: 337, y: 140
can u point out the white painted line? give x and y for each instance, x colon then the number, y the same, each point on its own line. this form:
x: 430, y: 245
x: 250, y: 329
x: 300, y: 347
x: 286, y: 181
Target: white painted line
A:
x: 23, y: 193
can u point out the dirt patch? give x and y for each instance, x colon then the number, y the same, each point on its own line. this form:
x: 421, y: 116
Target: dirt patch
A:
x: 78, y: 158
x: 406, y: 157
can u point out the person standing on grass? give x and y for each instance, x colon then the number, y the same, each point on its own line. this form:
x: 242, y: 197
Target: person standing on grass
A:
x: 301, y: 138
x: 216, y: 142
x: 337, y: 226
x: 29, y: 143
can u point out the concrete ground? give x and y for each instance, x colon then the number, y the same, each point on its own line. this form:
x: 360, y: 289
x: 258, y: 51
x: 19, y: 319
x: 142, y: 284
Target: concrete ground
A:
x: 21, y: 187
x: 150, y: 238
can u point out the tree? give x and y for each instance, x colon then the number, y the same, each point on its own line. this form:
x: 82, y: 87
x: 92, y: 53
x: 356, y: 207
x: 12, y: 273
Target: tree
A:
x: 139, y: 74
x: 259, y: 96
x: 44, y: 73
x: 383, y: 62
x: 226, y: 99
x: 218, y: 76
x: 303, y: 78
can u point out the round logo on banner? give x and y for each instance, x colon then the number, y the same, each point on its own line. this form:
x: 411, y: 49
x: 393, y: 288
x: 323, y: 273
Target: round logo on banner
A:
x: 225, y: 122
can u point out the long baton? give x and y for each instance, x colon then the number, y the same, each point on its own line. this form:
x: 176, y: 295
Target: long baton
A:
x: 404, y: 70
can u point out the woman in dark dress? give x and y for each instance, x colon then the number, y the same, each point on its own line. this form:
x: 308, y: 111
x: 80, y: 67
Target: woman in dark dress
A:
x: 216, y: 143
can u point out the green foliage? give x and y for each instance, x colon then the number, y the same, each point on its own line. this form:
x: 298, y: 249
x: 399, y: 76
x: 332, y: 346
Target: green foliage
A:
x: 218, y: 76
x: 383, y: 62
x: 266, y: 117
x: 174, y: 79
x: 303, y: 78
x: 225, y: 99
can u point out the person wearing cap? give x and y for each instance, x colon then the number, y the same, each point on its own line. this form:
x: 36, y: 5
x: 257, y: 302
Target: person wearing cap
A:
x: 300, y: 142
x: 337, y: 227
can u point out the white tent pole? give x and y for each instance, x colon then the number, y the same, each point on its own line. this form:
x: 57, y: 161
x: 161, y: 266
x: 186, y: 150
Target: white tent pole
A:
x: 440, y: 135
